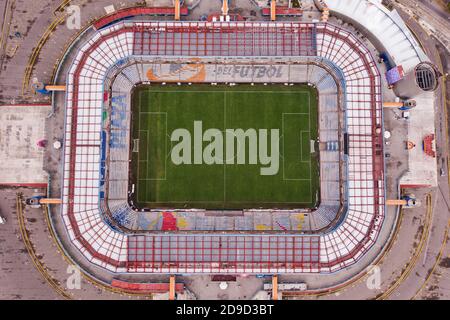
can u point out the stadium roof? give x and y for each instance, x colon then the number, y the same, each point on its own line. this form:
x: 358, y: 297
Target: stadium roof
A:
x: 387, y: 26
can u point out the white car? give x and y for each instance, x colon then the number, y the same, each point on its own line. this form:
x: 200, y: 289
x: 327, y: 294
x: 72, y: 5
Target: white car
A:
x: 2, y: 220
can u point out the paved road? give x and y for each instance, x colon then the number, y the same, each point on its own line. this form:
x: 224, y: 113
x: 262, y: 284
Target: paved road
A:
x: 425, y: 13
x: 19, y: 278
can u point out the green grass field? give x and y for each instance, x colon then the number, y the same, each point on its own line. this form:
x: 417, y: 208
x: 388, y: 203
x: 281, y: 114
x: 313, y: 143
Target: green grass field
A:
x: 161, y: 183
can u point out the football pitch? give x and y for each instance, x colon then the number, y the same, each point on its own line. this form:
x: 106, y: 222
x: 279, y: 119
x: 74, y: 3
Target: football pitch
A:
x: 222, y: 147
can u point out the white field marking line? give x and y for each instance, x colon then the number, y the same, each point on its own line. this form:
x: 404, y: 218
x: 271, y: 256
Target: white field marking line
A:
x: 232, y: 91
x: 147, y: 152
x: 165, y: 150
x: 237, y: 201
x: 165, y: 146
x: 151, y: 112
x: 284, y: 150
x: 139, y: 133
x: 168, y: 139
x: 301, y: 145
x: 146, y: 161
x: 310, y: 159
x: 282, y: 134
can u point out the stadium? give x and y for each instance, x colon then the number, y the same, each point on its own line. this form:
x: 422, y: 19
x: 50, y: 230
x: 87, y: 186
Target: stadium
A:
x: 107, y: 230
x: 235, y: 147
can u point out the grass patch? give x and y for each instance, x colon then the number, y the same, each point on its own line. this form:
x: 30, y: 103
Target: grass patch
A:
x: 157, y: 111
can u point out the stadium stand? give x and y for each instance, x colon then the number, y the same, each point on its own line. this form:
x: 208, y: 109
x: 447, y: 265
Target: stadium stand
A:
x: 86, y: 163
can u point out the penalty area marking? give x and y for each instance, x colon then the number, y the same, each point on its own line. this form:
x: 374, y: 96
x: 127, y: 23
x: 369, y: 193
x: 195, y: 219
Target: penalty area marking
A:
x: 301, y: 150
x: 165, y: 148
